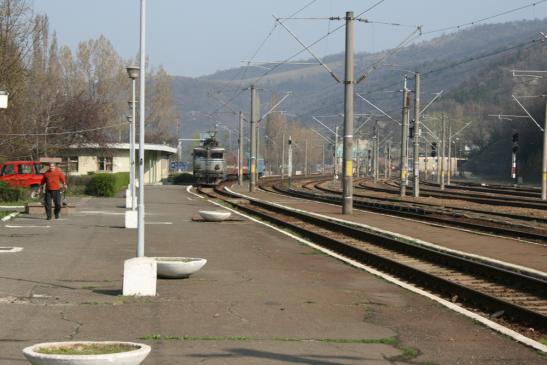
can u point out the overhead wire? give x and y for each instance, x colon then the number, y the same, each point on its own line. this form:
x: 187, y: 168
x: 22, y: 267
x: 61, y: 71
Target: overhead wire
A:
x: 486, y: 18
x: 63, y: 133
x: 243, y: 70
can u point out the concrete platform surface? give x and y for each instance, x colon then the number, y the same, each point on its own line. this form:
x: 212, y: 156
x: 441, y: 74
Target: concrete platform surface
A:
x: 262, y: 298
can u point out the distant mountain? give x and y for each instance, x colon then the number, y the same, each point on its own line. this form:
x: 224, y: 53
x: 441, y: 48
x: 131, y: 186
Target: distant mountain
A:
x: 472, y: 66
x: 314, y: 91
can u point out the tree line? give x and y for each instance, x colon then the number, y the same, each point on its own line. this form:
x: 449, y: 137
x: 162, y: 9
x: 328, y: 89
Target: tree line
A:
x: 60, y: 97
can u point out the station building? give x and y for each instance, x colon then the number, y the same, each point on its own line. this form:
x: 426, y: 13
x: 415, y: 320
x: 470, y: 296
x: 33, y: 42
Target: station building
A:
x: 83, y: 159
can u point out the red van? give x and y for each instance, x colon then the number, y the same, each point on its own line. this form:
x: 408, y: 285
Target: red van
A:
x: 25, y: 174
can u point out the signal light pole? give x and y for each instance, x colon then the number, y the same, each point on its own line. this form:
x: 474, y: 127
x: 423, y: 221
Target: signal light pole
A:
x: 289, y: 162
x: 514, y: 158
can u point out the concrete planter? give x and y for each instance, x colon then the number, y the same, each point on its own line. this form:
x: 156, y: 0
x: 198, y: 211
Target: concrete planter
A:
x: 215, y: 215
x: 178, y: 267
x: 134, y: 356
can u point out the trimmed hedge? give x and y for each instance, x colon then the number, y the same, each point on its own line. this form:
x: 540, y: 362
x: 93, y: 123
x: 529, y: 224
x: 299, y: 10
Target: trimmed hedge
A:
x: 183, y: 178
x: 11, y: 194
x: 107, y: 185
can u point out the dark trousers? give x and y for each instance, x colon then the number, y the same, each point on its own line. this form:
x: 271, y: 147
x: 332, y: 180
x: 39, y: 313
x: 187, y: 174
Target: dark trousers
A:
x: 56, y: 196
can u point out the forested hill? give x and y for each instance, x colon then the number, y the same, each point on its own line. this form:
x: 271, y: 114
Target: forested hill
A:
x: 472, y: 66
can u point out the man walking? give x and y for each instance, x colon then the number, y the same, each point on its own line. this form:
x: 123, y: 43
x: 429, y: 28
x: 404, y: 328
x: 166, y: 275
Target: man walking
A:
x: 53, y: 178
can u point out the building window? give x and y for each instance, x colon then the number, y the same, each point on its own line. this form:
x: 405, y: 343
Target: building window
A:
x: 72, y: 163
x: 105, y: 164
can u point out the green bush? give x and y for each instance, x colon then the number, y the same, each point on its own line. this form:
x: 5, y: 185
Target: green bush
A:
x: 107, y: 184
x: 183, y: 178
x: 11, y: 194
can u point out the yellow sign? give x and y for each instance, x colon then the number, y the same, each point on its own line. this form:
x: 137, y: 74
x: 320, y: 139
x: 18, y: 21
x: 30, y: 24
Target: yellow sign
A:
x: 403, y: 174
x: 252, y: 168
x: 349, y: 168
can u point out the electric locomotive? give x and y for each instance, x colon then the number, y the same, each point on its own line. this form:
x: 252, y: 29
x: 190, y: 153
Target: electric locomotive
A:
x: 209, y: 163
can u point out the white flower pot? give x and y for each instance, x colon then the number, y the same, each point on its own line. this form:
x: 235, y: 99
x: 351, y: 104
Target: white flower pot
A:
x: 215, y: 215
x: 178, y: 267
x: 134, y: 356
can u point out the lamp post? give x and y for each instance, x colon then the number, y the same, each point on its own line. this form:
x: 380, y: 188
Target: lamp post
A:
x: 140, y: 229
x: 133, y: 73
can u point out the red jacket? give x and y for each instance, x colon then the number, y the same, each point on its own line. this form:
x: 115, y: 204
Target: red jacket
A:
x: 53, y: 179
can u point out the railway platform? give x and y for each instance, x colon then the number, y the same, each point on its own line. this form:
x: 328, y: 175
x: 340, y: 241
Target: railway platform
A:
x: 262, y: 298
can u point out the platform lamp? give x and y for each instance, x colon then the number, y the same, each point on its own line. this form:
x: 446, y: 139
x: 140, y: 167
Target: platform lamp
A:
x: 133, y: 73
x: 140, y: 272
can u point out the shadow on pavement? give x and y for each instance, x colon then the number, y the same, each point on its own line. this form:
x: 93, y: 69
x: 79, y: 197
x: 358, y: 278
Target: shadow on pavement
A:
x: 110, y: 292
x: 287, y: 359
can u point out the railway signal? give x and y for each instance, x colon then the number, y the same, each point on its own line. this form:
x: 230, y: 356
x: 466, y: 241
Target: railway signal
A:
x: 433, y: 149
x: 514, y: 157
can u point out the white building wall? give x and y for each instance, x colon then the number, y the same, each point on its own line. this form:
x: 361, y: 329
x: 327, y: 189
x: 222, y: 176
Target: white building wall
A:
x: 87, y: 164
x: 120, y: 162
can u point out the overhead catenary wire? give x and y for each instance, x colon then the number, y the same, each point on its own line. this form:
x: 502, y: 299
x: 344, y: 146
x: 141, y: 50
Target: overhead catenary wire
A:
x: 474, y: 22
x: 243, y: 70
x: 62, y: 133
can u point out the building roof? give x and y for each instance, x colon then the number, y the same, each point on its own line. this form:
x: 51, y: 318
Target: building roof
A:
x: 124, y: 146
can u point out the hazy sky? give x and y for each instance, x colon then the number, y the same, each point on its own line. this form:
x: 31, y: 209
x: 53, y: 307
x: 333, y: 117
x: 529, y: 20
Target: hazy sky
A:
x: 193, y: 38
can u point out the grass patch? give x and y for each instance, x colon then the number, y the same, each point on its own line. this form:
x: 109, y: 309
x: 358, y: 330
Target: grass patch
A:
x: 392, y: 341
x: 4, y: 213
x: 368, y: 315
x: 543, y: 341
x: 86, y: 349
x: 408, y: 354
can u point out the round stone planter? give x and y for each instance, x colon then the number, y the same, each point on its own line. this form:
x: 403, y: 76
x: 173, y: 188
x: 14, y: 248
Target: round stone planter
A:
x: 134, y: 355
x: 178, y: 267
x: 215, y: 215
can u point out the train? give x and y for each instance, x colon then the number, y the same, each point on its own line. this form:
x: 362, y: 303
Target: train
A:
x: 209, y: 163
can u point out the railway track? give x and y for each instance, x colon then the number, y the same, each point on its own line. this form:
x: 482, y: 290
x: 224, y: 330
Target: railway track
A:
x: 520, y: 192
x: 523, y: 202
x: 507, y: 294
x: 479, y: 222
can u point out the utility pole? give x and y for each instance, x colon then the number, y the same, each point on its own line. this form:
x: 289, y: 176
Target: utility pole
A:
x: 385, y: 161
x: 289, y: 163
x: 254, y: 118
x: 389, y: 160
x: 306, y: 157
x: 375, y: 148
x: 335, y: 159
x: 348, y: 119
x: 443, y: 151
x: 240, y: 151
x: 323, y: 149
x: 449, y: 152
x: 358, y: 162
x: 544, y: 162
x: 283, y: 158
x: 257, y: 141
x: 438, y: 164
x: 404, y: 138
x: 417, y: 135
x: 426, y: 157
